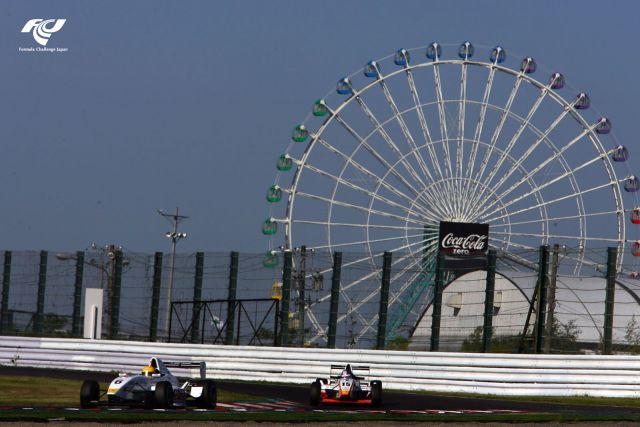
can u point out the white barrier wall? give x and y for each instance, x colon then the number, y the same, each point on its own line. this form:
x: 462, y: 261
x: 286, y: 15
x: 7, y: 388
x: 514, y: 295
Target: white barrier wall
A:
x: 499, y: 374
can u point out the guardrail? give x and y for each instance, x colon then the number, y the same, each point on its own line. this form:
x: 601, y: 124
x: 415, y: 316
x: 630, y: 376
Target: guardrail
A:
x: 498, y: 374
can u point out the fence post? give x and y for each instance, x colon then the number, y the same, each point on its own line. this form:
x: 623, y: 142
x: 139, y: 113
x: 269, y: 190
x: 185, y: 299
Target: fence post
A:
x: 42, y: 281
x: 541, y: 312
x: 301, y: 282
x: 239, y: 311
x: 612, y: 254
x: 231, y: 297
x: 115, y: 301
x: 197, y: 296
x: 487, y: 329
x: 286, y: 292
x: 551, y: 299
x: 384, y: 300
x: 437, y: 303
x: 77, y: 295
x: 170, y: 319
x: 6, y: 284
x: 276, y: 320
x: 335, y: 299
x: 155, y: 296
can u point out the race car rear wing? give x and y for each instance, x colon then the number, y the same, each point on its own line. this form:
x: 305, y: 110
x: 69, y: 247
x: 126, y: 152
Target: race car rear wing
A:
x: 361, y: 371
x: 201, y: 365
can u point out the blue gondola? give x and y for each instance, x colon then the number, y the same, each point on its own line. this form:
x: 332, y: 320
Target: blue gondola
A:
x: 344, y: 86
x: 372, y: 69
x: 401, y: 57
x: 466, y: 50
x: 434, y: 50
x: 498, y: 55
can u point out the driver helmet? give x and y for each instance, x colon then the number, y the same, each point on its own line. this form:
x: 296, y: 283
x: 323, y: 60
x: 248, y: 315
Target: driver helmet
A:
x: 148, y: 370
x: 347, y: 372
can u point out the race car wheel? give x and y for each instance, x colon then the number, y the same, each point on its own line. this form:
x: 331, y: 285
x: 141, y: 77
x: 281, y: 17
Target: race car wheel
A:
x: 376, y: 393
x: 164, y: 395
x: 209, y: 396
x: 89, y: 394
x: 148, y: 400
x: 314, y: 395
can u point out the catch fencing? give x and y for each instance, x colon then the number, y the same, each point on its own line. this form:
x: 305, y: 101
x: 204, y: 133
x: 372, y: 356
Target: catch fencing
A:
x: 580, y: 311
x: 495, y: 374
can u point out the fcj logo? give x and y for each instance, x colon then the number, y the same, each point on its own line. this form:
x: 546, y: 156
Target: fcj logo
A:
x: 42, y: 29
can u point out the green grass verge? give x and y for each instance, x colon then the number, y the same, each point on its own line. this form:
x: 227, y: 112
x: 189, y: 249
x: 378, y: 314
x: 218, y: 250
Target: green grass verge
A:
x: 38, y: 391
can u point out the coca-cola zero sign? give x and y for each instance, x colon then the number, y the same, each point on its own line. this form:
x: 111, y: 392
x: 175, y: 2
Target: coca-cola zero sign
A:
x: 463, y: 239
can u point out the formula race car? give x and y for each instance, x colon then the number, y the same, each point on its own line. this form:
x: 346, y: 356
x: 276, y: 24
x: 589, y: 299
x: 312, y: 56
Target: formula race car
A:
x: 346, y: 384
x: 154, y: 387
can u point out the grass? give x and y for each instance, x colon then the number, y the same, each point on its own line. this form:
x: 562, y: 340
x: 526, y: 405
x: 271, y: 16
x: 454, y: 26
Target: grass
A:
x: 38, y: 391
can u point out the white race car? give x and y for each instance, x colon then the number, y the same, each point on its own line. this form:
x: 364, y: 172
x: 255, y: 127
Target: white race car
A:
x: 346, y: 384
x: 154, y: 387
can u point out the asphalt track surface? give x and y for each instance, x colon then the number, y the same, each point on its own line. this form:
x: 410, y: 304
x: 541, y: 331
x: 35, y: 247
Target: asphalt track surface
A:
x: 392, y: 400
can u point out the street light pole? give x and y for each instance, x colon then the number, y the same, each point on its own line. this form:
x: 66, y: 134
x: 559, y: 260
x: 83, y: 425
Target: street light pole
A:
x: 174, y: 235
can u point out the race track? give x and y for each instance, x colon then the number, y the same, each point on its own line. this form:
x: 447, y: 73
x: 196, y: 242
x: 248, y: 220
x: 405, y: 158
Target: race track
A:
x: 295, y: 398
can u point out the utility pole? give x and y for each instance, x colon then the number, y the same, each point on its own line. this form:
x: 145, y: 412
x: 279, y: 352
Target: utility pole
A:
x: 174, y: 235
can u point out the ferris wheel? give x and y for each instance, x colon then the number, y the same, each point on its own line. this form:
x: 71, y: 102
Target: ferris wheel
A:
x: 417, y: 138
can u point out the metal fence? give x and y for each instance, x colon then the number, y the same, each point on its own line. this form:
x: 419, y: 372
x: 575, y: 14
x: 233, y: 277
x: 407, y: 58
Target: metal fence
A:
x: 248, y: 322
x: 562, y: 301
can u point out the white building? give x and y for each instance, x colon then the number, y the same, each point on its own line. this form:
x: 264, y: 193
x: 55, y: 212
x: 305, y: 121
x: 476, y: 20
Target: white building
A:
x: 580, y: 300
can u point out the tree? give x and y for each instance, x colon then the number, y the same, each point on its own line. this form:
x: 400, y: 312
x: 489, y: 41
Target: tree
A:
x: 632, y: 335
x: 563, y: 336
x: 398, y: 343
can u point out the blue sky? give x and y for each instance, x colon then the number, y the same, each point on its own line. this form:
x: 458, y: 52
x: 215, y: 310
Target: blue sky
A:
x: 159, y: 104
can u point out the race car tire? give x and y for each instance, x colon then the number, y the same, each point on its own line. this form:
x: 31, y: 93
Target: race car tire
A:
x: 163, y: 395
x: 314, y: 394
x: 148, y: 400
x: 89, y: 394
x: 376, y: 393
x: 209, y: 397
x: 322, y: 380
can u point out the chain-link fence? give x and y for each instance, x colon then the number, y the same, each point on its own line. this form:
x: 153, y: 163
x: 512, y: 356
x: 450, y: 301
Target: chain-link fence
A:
x: 566, y: 301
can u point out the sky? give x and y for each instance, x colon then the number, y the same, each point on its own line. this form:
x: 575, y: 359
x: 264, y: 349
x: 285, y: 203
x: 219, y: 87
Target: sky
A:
x: 164, y: 104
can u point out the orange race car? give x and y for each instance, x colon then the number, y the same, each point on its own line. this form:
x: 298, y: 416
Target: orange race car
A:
x: 347, y: 384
